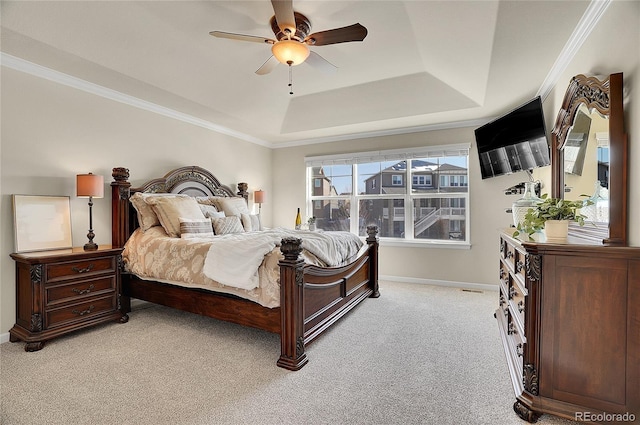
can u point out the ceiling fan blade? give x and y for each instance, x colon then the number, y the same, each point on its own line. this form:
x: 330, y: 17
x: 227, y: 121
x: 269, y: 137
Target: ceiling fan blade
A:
x: 284, y: 16
x: 268, y: 66
x: 242, y: 37
x: 355, y: 32
x: 321, y: 63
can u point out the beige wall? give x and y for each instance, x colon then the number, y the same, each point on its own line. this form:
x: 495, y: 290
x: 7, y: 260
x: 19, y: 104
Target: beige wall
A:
x: 51, y: 132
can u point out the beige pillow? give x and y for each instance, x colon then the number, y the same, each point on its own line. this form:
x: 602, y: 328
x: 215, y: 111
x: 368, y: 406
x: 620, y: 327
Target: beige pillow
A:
x: 250, y: 222
x: 147, y: 218
x: 225, y: 225
x: 170, y: 209
x: 195, y: 228
x: 232, y: 206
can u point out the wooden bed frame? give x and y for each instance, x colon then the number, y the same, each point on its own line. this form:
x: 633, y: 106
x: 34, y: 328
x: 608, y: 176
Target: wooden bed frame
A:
x: 311, y: 298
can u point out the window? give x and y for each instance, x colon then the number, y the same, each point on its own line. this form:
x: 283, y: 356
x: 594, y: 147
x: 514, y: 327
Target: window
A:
x: 434, y: 208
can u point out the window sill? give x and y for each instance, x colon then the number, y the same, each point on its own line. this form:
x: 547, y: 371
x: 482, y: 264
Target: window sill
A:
x: 423, y: 244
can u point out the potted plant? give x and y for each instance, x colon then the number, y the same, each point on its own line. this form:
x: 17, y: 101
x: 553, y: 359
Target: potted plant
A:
x: 552, y: 215
x: 312, y: 223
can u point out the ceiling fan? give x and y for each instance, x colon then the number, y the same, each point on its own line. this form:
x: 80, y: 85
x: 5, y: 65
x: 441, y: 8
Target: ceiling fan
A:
x: 292, y: 39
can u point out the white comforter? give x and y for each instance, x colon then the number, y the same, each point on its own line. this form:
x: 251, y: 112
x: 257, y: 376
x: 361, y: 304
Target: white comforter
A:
x: 230, y: 262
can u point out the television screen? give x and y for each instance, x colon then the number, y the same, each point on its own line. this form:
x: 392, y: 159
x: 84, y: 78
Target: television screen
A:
x: 514, y: 142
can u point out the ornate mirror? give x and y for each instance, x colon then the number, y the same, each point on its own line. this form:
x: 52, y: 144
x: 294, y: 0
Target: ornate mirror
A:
x: 589, y: 156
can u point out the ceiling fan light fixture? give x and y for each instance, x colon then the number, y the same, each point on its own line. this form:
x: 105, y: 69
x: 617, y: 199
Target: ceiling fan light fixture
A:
x: 290, y: 52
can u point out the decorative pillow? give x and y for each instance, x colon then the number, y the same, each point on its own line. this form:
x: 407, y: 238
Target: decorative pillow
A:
x: 208, y: 210
x: 170, y: 209
x: 217, y: 214
x: 147, y: 218
x: 250, y: 222
x: 208, y: 200
x: 225, y: 225
x: 195, y: 228
x: 232, y: 206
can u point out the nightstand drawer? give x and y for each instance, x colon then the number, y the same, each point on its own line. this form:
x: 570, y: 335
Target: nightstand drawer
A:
x: 73, y: 269
x: 80, y: 311
x: 79, y: 289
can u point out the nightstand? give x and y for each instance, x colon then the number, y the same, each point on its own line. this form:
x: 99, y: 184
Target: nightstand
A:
x: 58, y: 292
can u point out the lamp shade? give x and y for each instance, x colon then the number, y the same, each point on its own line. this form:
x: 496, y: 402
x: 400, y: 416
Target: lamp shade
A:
x: 290, y: 52
x: 258, y: 196
x: 89, y: 185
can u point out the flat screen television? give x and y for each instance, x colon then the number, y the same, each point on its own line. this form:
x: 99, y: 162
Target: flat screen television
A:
x: 516, y: 141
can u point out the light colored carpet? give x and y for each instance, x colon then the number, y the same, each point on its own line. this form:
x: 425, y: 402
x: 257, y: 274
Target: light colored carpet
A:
x: 417, y: 355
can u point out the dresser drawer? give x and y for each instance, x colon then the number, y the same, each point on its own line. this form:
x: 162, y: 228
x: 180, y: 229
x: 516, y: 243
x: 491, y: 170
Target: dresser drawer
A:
x: 56, y: 272
x: 515, y: 340
x: 80, y: 311
x: 77, y: 290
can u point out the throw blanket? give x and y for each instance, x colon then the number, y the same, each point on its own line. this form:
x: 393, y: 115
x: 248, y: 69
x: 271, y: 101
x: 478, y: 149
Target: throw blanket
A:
x: 231, y: 262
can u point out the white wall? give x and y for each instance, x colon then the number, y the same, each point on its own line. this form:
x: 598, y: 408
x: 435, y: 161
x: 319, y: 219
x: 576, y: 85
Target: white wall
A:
x: 52, y: 132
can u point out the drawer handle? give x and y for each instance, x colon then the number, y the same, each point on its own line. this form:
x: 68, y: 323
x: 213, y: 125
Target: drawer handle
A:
x: 521, y: 306
x: 519, y: 350
x: 83, y: 291
x: 519, y: 266
x: 83, y: 312
x: 84, y: 270
x: 512, y: 329
x: 512, y: 292
x: 509, y: 254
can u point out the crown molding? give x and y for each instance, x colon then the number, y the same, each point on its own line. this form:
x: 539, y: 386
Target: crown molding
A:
x: 589, y: 19
x: 40, y: 71
x: 587, y: 23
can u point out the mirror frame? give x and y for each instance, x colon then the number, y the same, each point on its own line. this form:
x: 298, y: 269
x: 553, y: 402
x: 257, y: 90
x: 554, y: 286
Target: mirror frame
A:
x: 606, y: 97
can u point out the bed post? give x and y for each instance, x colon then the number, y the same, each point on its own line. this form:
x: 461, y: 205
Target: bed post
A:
x: 372, y: 240
x: 120, y: 206
x: 292, y: 354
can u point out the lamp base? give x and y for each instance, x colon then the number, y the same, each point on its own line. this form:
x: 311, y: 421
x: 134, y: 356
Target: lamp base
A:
x: 90, y: 246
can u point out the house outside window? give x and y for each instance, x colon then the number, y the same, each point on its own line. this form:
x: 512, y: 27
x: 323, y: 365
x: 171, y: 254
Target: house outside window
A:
x: 434, y: 208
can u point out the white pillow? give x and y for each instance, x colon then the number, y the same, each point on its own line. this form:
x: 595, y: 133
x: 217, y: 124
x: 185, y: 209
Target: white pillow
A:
x: 195, y: 228
x: 226, y: 225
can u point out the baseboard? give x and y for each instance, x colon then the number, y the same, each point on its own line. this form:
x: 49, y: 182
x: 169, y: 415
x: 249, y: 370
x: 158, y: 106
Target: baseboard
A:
x: 449, y: 283
x: 4, y: 338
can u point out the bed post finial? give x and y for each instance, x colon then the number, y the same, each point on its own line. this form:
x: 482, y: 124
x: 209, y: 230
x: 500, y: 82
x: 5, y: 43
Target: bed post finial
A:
x: 292, y: 354
x: 243, y: 190
x: 372, y: 240
x: 120, y: 206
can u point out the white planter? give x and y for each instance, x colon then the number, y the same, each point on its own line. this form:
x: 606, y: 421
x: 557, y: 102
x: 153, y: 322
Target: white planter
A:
x: 556, y: 230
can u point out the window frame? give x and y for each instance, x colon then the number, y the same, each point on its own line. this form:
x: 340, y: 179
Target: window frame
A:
x: 408, y: 197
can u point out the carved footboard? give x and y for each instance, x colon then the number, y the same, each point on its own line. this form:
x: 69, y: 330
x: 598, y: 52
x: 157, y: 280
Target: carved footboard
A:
x: 313, y: 298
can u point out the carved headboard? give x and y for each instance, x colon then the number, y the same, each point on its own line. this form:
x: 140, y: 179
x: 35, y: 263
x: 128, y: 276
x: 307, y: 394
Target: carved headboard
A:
x: 191, y: 180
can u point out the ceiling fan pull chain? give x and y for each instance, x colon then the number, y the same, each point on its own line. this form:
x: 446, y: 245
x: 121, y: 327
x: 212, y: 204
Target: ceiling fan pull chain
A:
x: 290, y: 79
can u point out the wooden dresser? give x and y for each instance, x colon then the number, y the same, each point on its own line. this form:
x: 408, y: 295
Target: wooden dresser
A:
x: 569, y: 318
x: 61, y: 291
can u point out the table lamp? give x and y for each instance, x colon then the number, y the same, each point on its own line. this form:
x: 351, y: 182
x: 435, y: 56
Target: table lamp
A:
x: 258, y: 198
x: 91, y: 186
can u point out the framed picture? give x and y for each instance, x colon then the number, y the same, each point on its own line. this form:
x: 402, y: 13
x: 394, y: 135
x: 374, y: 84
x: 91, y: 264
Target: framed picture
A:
x: 41, y: 222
